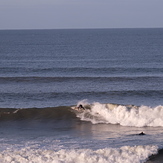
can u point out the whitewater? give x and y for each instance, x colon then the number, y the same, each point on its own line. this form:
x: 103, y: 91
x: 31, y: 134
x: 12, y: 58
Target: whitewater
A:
x: 141, y: 116
x: 125, y: 154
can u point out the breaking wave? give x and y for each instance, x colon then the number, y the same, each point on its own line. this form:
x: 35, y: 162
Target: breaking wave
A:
x: 136, y: 154
x: 125, y: 115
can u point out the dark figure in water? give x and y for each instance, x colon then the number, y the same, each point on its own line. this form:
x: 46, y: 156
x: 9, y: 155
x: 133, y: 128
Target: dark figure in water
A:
x: 142, y: 133
x: 81, y: 107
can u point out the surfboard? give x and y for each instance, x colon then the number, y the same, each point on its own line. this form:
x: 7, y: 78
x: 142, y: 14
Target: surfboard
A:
x: 75, y: 108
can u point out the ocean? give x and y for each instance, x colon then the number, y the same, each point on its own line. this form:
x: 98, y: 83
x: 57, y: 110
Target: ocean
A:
x: 118, y: 73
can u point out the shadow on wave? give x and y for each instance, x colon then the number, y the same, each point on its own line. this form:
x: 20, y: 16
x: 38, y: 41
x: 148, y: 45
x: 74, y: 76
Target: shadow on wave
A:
x: 157, y: 158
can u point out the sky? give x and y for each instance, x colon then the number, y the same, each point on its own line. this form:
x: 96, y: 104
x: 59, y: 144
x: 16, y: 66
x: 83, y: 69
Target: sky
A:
x: 63, y: 14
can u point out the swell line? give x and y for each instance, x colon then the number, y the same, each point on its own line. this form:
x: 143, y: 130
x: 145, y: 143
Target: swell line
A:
x: 72, y: 78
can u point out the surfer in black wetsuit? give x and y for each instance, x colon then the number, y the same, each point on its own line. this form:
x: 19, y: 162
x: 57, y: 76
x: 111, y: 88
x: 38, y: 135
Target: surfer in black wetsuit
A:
x: 81, y: 107
x: 142, y: 133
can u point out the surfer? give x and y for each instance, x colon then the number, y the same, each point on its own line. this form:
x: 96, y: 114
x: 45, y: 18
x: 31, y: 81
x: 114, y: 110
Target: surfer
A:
x: 81, y: 107
x: 142, y: 133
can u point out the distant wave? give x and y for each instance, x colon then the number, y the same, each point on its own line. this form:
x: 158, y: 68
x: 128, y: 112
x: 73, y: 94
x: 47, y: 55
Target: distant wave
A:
x: 69, y: 78
x: 85, y: 93
x: 77, y: 69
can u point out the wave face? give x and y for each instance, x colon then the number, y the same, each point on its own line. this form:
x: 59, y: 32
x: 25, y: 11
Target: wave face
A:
x: 128, y: 115
x: 53, y: 113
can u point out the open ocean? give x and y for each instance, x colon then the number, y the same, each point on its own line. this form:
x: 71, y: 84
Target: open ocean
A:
x: 45, y: 72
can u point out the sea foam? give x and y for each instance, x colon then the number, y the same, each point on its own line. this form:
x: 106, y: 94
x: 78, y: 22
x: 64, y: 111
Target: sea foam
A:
x: 124, y: 115
x: 127, y: 154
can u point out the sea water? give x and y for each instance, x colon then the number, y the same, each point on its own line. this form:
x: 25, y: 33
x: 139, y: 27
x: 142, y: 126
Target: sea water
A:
x: 45, y: 72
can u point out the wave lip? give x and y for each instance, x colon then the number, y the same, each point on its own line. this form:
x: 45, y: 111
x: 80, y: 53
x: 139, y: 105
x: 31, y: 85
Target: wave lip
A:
x: 125, y: 115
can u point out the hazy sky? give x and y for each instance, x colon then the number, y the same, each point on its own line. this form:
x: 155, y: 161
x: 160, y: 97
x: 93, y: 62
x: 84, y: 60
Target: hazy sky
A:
x: 52, y: 14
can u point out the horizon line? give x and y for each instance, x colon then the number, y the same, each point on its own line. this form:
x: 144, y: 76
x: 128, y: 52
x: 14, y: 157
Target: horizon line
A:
x: 80, y: 28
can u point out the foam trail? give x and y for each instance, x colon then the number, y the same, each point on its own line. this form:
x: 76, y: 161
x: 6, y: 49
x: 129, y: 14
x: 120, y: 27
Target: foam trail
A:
x: 124, y: 115
x: 127, y: 154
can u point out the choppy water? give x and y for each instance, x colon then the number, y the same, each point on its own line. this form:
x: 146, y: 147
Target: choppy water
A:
x: 44, y: 72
